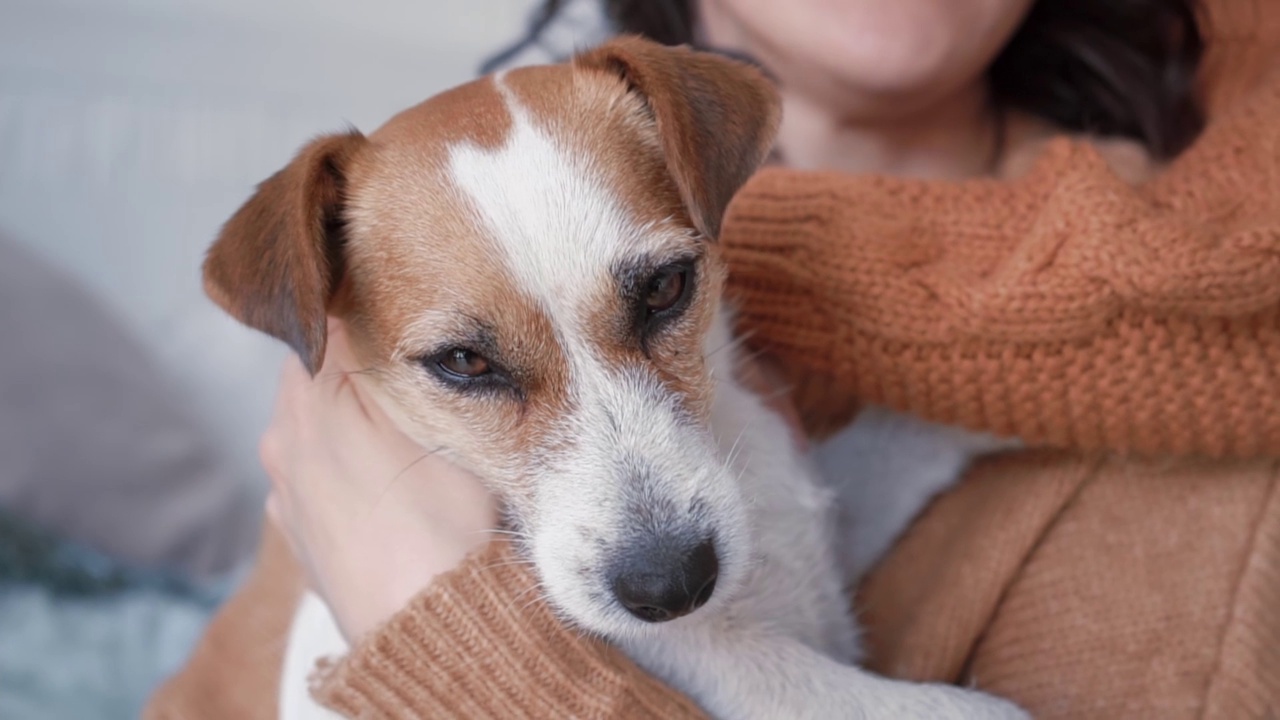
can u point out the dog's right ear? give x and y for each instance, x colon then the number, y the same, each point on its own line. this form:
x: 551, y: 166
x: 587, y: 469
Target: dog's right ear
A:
x: 278, y: 261
x: 716, y: 117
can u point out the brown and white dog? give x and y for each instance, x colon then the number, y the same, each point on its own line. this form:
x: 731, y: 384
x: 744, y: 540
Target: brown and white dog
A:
x: 528, y: 264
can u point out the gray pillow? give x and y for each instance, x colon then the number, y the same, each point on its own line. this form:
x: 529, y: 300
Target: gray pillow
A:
x: 95, y: 444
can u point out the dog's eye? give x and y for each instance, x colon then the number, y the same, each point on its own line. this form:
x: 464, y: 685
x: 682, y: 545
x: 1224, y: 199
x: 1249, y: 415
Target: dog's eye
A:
x: 466, y: 371
x: 658, y: 296
x: 463, y: 363
x: 666, y: 289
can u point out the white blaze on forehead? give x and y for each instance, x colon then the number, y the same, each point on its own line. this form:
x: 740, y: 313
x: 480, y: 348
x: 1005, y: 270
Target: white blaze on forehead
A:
x: 548, y: 208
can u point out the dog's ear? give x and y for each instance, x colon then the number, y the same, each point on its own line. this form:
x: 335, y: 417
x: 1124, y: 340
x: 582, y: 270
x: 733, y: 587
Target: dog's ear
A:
x: 278, y: 261
x: 716, y: 117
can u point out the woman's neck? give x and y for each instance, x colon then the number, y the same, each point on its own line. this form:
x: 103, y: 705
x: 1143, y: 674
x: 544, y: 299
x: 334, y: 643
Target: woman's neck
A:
x: 956, y: 137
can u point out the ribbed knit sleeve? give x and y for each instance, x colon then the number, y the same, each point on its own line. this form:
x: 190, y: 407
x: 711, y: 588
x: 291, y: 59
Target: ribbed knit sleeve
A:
x: 481, y: 643
x: 1066, y: 307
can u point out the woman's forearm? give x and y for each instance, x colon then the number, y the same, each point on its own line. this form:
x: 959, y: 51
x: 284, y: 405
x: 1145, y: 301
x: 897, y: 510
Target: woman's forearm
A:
x: 482, y: 643
x: 1065, y: 308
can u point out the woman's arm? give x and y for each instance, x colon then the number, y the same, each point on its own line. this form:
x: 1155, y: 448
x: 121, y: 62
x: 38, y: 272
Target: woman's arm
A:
x: 480, y: 642
x: 234, y: 671
x: 1066, y: 307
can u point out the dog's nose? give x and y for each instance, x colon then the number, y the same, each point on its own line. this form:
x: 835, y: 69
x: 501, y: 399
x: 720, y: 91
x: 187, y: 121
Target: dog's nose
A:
x: 664, y: 585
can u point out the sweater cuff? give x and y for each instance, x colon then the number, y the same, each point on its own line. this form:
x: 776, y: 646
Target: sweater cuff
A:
x: 480, y: 642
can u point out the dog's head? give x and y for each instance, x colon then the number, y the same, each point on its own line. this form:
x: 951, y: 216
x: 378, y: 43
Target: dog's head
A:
x: 529, y: 269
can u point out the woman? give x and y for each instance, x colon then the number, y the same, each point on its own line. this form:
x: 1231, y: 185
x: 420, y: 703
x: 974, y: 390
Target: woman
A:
x: 1127, y: 564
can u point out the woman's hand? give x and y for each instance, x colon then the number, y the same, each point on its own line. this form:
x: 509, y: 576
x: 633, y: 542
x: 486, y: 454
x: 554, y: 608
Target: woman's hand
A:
x: 371, y: 516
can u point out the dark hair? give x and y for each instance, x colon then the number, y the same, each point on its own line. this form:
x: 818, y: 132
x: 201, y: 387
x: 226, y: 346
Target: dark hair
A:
x: 1105, y: 67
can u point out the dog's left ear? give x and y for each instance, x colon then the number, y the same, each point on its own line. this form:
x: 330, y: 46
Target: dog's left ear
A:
x: 716, y: 117
x: 278, y: 262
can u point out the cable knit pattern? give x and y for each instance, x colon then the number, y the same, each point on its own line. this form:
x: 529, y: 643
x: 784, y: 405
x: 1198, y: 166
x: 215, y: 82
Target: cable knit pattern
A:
x: 1073, y: 311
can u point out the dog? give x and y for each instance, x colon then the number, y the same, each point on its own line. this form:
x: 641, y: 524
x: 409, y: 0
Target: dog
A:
x: 529, y: 267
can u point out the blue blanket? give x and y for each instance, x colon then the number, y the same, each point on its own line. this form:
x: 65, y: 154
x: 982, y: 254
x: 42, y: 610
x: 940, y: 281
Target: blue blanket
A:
x: 83, y: 636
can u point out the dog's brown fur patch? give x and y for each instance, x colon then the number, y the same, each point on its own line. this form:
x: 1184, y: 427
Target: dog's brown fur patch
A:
x: 375, y: 231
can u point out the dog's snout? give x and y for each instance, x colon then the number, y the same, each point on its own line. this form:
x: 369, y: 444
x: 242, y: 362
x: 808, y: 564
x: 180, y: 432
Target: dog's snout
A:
x: 660, y: 584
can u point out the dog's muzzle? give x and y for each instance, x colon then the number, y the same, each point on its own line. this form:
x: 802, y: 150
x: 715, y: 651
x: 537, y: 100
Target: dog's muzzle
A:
x: 664, y: 579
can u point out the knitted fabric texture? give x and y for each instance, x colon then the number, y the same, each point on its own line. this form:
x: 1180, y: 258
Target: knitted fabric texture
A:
x: 482, y: 606
x: 1128, y: 567
x: 1079, y: 313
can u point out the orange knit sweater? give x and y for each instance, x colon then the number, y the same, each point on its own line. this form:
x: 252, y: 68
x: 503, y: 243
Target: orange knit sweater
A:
x: 1129, y: 567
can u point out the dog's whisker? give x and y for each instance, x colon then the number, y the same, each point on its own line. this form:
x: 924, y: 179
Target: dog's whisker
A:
x: 382, y: 493
x: 742, y: 470
x: 542, y: 597
x: 732, y: 454
x: 535, y: 588
x: 735, y: 342
x: 509, y: 563
x: 779, y: 393
x: 512, y: 533
x: 339, y: 375
x: 424, y: 456
x: 532, y: 588
x: 751, y: 352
